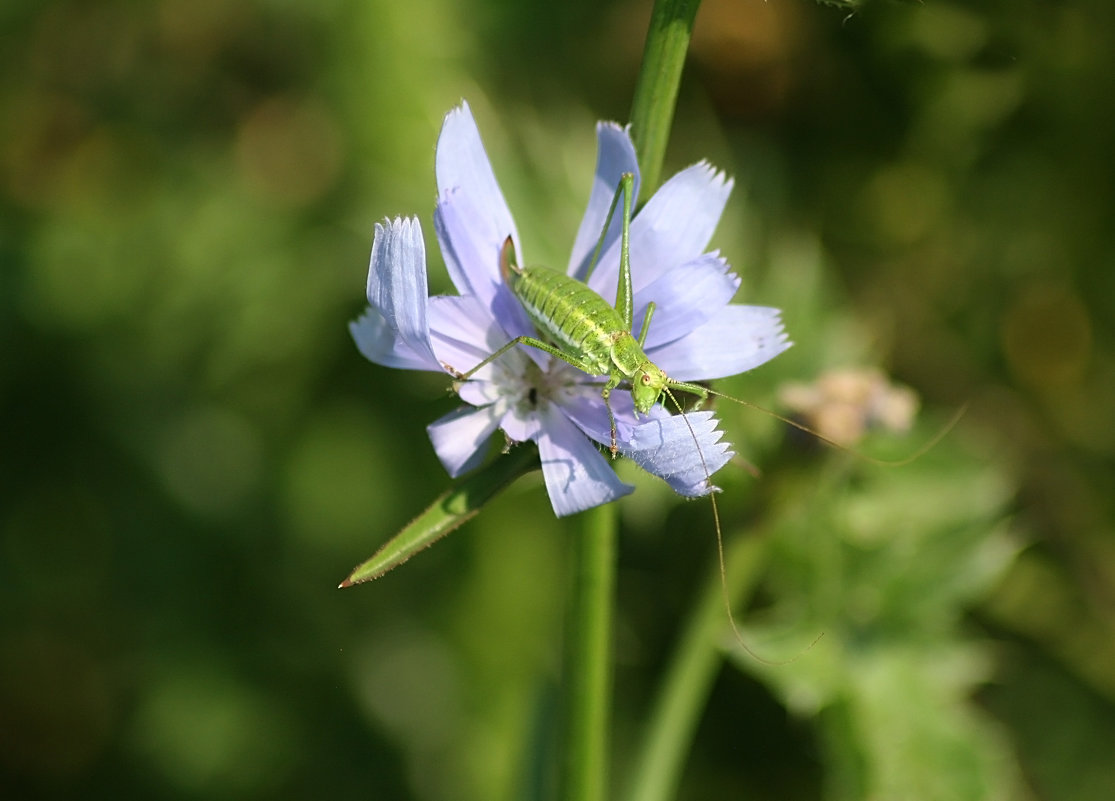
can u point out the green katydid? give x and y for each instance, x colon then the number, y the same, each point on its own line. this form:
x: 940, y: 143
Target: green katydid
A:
x: 598, y: 339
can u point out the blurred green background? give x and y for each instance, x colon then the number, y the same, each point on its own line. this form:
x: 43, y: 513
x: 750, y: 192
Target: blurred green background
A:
x: 194, y: 453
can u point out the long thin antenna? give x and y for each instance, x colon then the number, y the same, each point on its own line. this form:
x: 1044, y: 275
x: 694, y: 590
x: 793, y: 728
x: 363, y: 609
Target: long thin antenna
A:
x: 720, y: 551
x: 928, y: 446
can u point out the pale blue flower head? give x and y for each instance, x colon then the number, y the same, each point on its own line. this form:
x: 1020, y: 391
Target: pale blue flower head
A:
x: 696, y: 333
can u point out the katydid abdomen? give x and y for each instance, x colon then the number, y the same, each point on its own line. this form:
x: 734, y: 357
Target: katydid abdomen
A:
x: 587, y: 332
x: 569, y: 314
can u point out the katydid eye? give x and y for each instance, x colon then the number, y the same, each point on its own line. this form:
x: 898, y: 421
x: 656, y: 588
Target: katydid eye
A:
x: 645, y: 378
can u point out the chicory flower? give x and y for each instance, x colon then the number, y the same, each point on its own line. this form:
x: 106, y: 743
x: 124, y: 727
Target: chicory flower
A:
x: 695, y: 334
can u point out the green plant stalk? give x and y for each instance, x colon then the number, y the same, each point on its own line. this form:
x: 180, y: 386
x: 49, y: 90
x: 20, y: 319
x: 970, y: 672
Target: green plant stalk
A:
x: 656, y: 91
x: 588, y: 663
x: 691, y: 673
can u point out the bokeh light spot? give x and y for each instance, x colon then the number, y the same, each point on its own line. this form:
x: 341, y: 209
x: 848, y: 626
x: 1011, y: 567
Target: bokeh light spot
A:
x: 1047, y: 336
x: 341, y: 477
x: 210, y: 460
x: 288, y: 150
x: 905, y: 201
x: 209, y: 734
x: 79, y: 277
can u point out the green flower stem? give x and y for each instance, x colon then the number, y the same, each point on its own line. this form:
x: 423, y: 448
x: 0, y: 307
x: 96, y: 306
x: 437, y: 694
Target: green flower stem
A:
x: 652, y: 110
x: 691, y: 673
x: 588, y: 671
x: 588, y: 665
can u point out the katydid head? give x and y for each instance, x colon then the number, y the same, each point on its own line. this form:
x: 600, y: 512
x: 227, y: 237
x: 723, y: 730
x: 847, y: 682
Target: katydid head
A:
x: 647, y: 385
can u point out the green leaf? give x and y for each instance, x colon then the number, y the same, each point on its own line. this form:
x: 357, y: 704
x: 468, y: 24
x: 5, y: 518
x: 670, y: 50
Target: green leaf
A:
x: 451, y: 509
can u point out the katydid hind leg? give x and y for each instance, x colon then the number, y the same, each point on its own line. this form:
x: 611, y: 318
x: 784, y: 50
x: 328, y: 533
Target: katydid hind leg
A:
x: 532, y: 342
x: 624, y: 296
x: 646, y: 324
x: 626, y: 189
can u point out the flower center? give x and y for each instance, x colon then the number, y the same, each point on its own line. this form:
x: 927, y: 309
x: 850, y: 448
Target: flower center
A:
x: 528, y: 386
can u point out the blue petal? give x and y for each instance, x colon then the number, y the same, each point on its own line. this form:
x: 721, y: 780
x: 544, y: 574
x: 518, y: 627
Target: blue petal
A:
x: 463, y: 169
x: 472, y: 218
x: 521, y: 425
x: 736, y: 339
x: 587, y: 411
x: 615, y: 155
x: 459, y: 437
x: 577, y: 476
x: 686, y: 298
x: 479, y: 392
x: 472, y: 252
x: 379, y: 343
x: 463, y: 334
x: 683, y: 450
x: 397, y: 291
x: 674, y: 227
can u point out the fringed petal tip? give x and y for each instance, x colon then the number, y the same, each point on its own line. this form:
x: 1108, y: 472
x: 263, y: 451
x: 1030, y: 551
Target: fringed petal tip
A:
x: 736, y: 339
x: 688, y: 296
x: 779, y: 339
x: 682, y: 450
x: 610, y: 126
x: 395, y: 331
x: 715, y: 176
